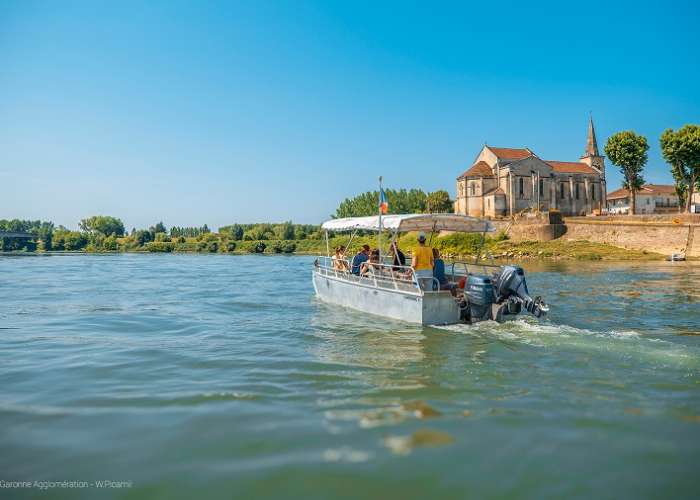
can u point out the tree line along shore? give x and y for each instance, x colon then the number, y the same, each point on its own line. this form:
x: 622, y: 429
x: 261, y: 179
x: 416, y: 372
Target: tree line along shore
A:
x: 103, y: 234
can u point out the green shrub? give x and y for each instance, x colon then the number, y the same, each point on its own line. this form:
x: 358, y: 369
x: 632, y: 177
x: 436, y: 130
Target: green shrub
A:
x: 501, y: 236
x: 110, y: 243
x: 186, y: 246
x: 74, y: 240
x: 160, y: 246
x: 126, y: 244
x: 284, y: 247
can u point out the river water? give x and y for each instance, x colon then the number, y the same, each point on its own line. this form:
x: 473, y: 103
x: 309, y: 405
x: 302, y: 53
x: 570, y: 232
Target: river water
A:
x: 207, y: 376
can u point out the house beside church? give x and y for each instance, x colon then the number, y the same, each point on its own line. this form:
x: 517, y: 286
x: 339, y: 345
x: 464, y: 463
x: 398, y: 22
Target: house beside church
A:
x: 651, y: 199
x: 506, y: 181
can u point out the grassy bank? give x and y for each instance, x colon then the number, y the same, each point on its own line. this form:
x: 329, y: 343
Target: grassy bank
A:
x: 105, y: 234
x: 452, y: 246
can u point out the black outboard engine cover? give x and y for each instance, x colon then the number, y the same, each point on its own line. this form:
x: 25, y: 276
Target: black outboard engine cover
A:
x: 509, y: 287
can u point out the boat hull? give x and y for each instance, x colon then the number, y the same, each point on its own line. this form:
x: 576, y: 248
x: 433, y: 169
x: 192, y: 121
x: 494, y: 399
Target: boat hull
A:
x: 436, y: 308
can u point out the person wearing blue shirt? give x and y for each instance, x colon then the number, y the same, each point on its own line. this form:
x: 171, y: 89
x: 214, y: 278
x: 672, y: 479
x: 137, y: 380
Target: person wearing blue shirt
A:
x: 359, y: 258
x: 439, y: 272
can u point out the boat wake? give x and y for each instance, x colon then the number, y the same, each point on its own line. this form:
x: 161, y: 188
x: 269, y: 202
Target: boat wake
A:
x: 546, y: 335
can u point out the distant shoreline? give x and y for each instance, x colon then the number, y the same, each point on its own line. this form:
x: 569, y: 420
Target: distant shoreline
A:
x: 502, y: 251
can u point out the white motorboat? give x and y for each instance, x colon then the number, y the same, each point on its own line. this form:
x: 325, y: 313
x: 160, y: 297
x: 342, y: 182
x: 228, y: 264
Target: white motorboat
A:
x: 474, y: 292
x: 675, y: 257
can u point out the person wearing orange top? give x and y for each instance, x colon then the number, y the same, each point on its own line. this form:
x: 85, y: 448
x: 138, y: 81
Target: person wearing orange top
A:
x: 423, y: 263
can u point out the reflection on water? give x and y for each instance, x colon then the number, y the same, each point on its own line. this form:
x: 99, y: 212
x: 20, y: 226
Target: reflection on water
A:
x: 210, y: 375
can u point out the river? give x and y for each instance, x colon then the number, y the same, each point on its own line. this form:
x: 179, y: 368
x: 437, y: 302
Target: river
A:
x: 208, y: 376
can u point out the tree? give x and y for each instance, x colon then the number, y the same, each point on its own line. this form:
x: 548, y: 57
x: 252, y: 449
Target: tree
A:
x: 400, y: 202
x: 74, y: 240
x: 45, y: 234
x: 103, y: 224
x: 142, y: 237
x: 628, y: 151
x: 681, y: 150
x: 158, y: 228
x: 438, y: 202
x: 284, y: 231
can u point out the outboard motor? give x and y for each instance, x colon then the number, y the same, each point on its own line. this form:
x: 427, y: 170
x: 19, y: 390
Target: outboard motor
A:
x: 511, y: 294
x: 478, y: 298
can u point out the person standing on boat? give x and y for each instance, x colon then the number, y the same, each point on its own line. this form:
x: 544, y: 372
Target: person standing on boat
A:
x: 359, y: 258
x: 423, y: 263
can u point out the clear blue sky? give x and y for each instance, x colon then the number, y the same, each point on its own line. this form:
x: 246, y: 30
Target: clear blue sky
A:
x: 194, y: 112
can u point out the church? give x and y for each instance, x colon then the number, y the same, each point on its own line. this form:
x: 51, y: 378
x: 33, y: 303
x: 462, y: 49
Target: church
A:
x: 505, y: 181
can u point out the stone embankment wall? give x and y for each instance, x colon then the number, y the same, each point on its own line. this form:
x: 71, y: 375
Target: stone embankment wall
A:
x: 664, y: 234
x: 661, y: 238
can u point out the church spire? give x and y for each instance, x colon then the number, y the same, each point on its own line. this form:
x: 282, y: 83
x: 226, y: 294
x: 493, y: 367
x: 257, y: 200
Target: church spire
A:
x: 591, y: 143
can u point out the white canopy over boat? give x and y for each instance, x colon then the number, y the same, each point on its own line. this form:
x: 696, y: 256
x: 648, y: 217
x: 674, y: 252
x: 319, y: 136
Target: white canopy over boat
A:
x: 412, y: 222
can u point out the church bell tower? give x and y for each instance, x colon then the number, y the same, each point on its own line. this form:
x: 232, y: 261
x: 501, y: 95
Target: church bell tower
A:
x: 592, y: 158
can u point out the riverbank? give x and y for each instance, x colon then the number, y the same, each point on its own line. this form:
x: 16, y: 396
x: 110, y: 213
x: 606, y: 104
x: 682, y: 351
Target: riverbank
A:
x: 453, y: 247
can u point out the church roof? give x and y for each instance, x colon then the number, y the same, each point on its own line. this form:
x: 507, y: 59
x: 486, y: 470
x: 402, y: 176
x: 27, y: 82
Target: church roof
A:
x: 570, y: 167
x: 480, y: 169
x: 510, y: 153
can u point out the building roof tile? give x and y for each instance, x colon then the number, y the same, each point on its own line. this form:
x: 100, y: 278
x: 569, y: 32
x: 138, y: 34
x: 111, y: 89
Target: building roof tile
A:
x: 661, y: 188
x: 480, y: 169
x: 647, y: 189
x: 571, y: 167
x: 511, y: 153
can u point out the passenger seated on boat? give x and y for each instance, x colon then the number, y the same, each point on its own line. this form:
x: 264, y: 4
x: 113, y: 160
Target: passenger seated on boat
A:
x: 372, y: 264
x: 399, y: 257
x: 359, y: 258
x: 340, y: 263
x: 439, y: 273
x: 423, y: 263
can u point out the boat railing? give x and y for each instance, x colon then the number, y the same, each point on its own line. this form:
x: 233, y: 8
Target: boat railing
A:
x: 387, y: 276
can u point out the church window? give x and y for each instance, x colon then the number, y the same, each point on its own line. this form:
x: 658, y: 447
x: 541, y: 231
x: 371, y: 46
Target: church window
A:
x: 521, y: 187
x: 561, y: 190
x: 592, y: 191
x: 488, y: 202
x: 473, y: 189
x: 541, y: 187
x: 577, y: 192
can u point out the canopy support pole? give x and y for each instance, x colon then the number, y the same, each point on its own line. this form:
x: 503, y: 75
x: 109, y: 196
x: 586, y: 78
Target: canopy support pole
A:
x: 379, y: 232
x: 352, y: 235
x: 392, y: 245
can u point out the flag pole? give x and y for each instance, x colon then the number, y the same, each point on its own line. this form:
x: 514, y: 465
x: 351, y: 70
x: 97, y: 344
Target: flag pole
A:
x: 379, y: 233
